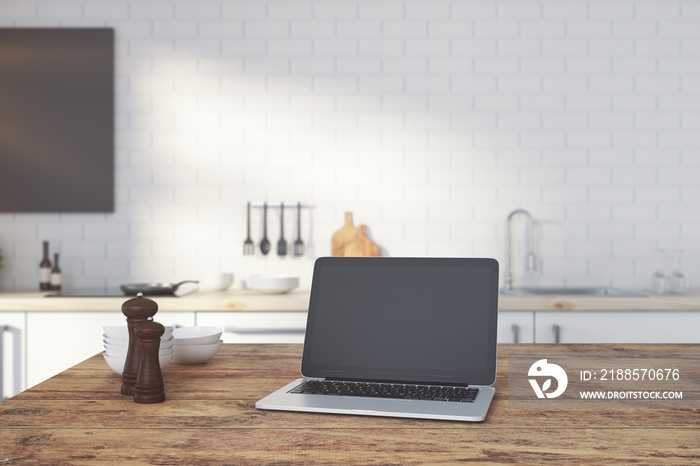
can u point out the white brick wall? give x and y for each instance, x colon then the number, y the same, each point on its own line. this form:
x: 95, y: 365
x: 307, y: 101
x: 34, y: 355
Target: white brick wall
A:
x: 430, y: 121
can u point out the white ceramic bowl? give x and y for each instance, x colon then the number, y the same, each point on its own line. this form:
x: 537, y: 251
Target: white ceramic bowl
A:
x: 123, y: 355
x: 196, y: 354
x: 122, y: 350
x: 272, y: 284
x: 116, y: 363
x: 167, y: 346
x: 216, y: 282
x: 125, y: 341
x: 196, y: 335
x: 121, y: 331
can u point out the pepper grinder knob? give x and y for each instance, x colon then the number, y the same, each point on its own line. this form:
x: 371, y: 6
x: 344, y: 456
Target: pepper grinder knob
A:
x: 137, y: 310
x: 149, y: 380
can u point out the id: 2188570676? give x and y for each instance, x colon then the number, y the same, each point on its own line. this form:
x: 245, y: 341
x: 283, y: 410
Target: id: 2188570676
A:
x: 631, y: 374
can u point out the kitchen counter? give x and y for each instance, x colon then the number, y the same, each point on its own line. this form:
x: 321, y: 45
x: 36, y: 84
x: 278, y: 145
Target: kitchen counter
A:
x: 298, y: 300
x: 209, y: 417
x: 234, y: 300
x: 649, y: 302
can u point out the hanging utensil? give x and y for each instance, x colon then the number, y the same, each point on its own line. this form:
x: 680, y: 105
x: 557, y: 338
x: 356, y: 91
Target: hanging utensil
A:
x: 265, y: 243
x: 248, y: 245
x: 282, y: 243
x: 298, y: 243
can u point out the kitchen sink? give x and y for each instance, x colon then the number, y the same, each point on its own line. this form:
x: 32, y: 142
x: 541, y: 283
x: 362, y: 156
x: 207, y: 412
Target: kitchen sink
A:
x: 574, y: 291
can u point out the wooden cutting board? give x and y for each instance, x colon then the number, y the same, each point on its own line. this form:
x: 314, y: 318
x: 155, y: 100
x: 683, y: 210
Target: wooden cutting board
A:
x: 344, y: 236
x: 362, y: 246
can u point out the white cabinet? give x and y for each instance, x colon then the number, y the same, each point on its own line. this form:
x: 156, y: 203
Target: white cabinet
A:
x: 59, y: 340
x: 12, y: 354
x: 257, y: 327
x: 617, y: 327
x: 516, y: 327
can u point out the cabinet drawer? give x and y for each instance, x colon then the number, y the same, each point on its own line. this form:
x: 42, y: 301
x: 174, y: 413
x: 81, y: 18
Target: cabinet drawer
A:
x: 257, y: 327
x: 59, y: 340
x: 12, y: 354
x: 617, y: 327
x: 516, y: 327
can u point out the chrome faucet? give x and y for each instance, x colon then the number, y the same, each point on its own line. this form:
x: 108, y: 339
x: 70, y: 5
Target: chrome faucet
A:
x: 529, y: 256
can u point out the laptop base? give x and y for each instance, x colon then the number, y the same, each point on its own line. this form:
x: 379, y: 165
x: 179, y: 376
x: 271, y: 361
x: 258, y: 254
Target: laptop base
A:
x: 282, y: 400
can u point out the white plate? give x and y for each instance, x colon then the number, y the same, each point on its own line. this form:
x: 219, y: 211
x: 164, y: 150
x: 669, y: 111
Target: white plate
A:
x: 270, y: 284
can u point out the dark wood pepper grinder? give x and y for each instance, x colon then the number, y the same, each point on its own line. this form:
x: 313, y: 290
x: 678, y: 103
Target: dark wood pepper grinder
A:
x: 137, y: 310
x: 149, y: 381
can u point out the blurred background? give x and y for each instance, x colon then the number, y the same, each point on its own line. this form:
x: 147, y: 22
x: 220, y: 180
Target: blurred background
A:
x: 430, y: 121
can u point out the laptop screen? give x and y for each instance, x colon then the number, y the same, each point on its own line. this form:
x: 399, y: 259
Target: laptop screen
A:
x: 421, y: 320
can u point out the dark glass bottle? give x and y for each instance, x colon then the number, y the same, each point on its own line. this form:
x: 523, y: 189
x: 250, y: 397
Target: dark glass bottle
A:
x: 55, y: 274
x: 45, y: 270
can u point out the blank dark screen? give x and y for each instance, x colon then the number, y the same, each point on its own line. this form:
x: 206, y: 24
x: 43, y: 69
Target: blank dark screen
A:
x: 412, y: 320
x: 56, y: 120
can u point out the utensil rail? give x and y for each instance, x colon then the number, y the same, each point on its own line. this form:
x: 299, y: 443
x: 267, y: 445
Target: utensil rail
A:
x: 276, y: 205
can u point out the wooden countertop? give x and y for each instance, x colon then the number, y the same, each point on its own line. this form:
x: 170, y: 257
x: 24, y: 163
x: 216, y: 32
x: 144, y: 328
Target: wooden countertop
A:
x: 649, y: 302
x: 209, y: 417
x: 298, y: 300
x: 234, y: 300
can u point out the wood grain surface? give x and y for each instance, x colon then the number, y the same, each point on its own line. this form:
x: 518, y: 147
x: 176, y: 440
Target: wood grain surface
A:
x: 209, y: 417
x: 361, y: 246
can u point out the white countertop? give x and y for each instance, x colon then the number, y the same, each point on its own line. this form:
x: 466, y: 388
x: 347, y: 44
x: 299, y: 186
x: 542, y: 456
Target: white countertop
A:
x: 298, y: 300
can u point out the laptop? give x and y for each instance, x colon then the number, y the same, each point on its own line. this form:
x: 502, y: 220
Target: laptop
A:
x: 398, y: 337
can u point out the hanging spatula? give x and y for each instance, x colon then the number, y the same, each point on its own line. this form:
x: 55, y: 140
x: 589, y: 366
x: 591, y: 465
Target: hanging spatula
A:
x: 282, y: 243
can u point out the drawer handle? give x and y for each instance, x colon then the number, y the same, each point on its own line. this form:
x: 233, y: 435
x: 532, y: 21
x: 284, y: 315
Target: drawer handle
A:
x: 16, y: 356
x: 3, y: 328
x: 516, y: 330
x: 555, y: 329
x: 259, y: 330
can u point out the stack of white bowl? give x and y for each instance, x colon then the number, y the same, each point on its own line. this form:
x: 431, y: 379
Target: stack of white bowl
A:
x: 116, y: 343
x: 196, y: 345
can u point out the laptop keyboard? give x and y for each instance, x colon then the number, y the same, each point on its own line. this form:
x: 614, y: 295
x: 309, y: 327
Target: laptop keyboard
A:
x: 388, y: 390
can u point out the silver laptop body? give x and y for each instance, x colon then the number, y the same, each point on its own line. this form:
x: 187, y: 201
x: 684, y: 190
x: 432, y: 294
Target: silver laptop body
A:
x: 401, y: 323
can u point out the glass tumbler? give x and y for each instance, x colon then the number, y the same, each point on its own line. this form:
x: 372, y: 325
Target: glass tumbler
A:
x: 677, y: 279
x: 659, y: 282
